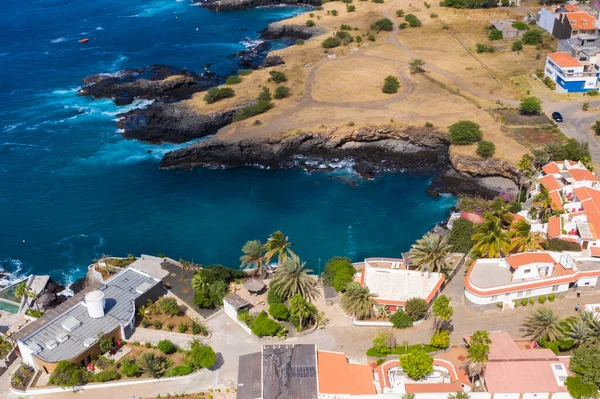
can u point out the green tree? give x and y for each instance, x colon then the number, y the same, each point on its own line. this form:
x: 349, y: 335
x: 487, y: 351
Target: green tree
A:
x: 442, y: 311
x: 279, y: 311
x: 105, y: 342
x: 254, y: 257
x: 417, y: 364
x: 533, y: 37
x: 412, y: 20
x: 338, y: 273
x: 440, y: 339
x: 585, y: 363
x: 281, y: 92
x: 416, y: 308
x: 358, y: 301
x: 165, y: 346
x: 495, y: 34
x: 382, y: 24
x: 416, y: 66
x: 490, y: 239
x: 465, y: 133
x: 458, y: 395
x: 517, y: 45
x: 500, y: 210
x: 580, y: 390
x: 384, y: 343
x: 542, y: 204
x: 390, y: 85
x: 129, y: 368
x: 21, y: 289
x: 486, y: 149
x: 459, y: 237
x: 169, y: 306
x: 526, y: 169
x: 304, y: 311
x: 201, y: 356
x: 524, y: 239
x: 278, y: 245
x: 578, y: 330
x: 401, y: 320
x: 331, y: 42
x: 67, y: 374
x: 430, y: 253
x: 292, y: 278
x: 530, y: 105
x: 596, y: 127
x: 542, y: 324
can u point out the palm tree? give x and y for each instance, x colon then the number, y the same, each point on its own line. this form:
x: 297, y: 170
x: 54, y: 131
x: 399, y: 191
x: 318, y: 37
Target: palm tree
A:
x: 592, y: 321
x: 578, y: 330
x: 31, y: 294
x: 542, y: 324
x: 278, y: 245
x: 490, y: 239
x: 293, y: 278
x: 21, y: 289
x: 473, y: 368
x: 254, y: 256
x: 430, y: 253
x: 542, y: 202
x: 301, y: 309
x: 524, y: 239
x: 152, y: 364
x: 142, y: 312
x: 358, y: 301
x: 500, y: 210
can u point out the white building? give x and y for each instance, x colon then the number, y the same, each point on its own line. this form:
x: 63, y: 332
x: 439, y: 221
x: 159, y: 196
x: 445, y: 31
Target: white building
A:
x: 571, y: 75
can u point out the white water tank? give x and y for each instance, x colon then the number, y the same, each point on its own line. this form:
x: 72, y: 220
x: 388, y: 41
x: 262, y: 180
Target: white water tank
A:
x: 94, y: 301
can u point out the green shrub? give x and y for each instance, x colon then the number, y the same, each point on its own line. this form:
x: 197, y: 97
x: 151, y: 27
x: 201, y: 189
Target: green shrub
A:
x: 412, y: 20
x: 281, y: 92
x: 517, y: 45
x: 331, y: 42
x: 334, y: 13
x: 377, y: 1
x: 129, y: 368
x: 403, y: 25
x: 338, y: 273
x: 486, y: 149
x: 592, y: 93
x: 553, y: 346
x: 106, y: 375
x: 515, y: 207
x: 252, y: 110
x: 416, y: 308
x: 520, y: 25
x: 440, y: 339
x: 433, y: 15
x: 417, y: 364
x: 533, y: 37
x: 233, y: 80
x: 103, y: 363
x: 182, y: 369
x: 482, y: 48
x: 382, y: 24
x: 201, y: 356
x: 401, y: 320
x: 165, y: 346
x: 530, y: 106
x: 244, y: 72
x: 465, y: 133
x: 551, y: 297
x: 428, y: 124
x: 345, y: 27
x: 558, y: 245
x: 299, y: 42
x: 460, y: 236
x: 532, y: 301
x: 495, y: 34
x: 273, y: 297
x: 105, y: 342
x: 279, y: 311
x: 157, y: 324
x: 344, y: 36
x: 263, y: 326
x: 245, y: 317
x: 399, y: 13
x: 390, y: 85
x: 278, y: 77
x: 580, y: 390
x: 215, y: 94
x: 524, y: 302
x: 310, y: 23
x: 183, y: 327
x: 542, y: 299
x: 350, y: 8
x: 516, y: 304
x: 358, y: 39
x: 371, y: 38
x: 67, y: 374
x: 199, y: 328
x: 549, y: 83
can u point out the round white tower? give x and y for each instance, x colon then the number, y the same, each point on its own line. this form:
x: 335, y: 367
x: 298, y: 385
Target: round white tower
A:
x: 94, y: 301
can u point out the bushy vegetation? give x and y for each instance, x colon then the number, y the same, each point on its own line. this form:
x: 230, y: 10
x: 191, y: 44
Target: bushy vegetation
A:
x: 176, y: 371
x: 460, y: 236
x: 165, y: 346
x: 105, y: 376
x: 417, y: 364
x: 486, y: 149
x: 558, y: 245
x: 469, y: 3
x: 401, y: 320
x: 310, y: 23
x: 520, y: 25
x: 104, y: 342
x: 390, y: 85
x: 281, y: 92
x: 533, y: 37
x: 440, y: 339
x: 331, y: 42
x: 344, y: 37
x: 399, y: 13
x: 218, y: 93
x: 383, y: 24
x: 233, y: 80
x: 338, y: 273
x: 264, y: 326
x: 580, y: 390
x: 517, y: 45
x: 572, y: 149
x: 277, y: 76
x: 67, y: 374
x: 130, y: 368
x: 279, y: 311
x: 262, y: 105
x: 483, y: 48
x: 416, y: 308
x: 530, y: 106
x: 412, y: 20
x: 495, y: 34
x: 465, y: 133
x: 201, y: 356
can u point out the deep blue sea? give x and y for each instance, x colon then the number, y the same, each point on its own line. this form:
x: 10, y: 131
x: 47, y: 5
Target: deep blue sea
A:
x: 72, y: 189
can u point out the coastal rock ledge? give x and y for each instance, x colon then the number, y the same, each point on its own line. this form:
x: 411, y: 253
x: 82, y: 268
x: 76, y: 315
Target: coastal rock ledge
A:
x: 277, y: 30
x: 370, y: 149
x: 229, y: 5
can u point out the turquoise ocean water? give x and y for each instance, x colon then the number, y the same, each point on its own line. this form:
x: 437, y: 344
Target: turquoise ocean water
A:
x: 72, y: 189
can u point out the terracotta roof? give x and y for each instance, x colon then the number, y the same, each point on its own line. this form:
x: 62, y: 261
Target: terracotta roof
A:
x: 595, y: 251
x: 571, y: 7
x: 581, y: 20
x: 551, y: 168
x: 554, y: 229
x: 337, y: 376
x: 550, y: 182
x: 582, y: 175
x: 557, y: 203
x: 527, y: 258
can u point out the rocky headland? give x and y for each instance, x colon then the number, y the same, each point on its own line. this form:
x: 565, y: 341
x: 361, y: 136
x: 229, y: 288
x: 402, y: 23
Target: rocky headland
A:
x: 230, y: 5
x: 278, y: 30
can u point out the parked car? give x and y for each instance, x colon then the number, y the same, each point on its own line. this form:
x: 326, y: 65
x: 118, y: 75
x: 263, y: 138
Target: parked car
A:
x: 557, y: 116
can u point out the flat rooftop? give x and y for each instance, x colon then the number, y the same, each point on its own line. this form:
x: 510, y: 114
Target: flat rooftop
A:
x: 289, y: 372
x: 587, y: 265
x: 490, y: 274
x: 119, y: 294
x: 249, y: 376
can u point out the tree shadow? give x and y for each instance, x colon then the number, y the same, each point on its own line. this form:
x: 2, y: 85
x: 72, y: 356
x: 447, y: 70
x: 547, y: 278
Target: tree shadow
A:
x: 219, y: 363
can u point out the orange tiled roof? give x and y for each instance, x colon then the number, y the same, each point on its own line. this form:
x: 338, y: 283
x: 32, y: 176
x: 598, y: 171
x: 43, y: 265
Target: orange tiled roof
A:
x: 550, y: 182
x: 337, y: 376
x: 551, y: 168
x: 595, y: 251
x: 571, y: 7
x: 564, y: 60
x: 556, y: 201
x: 554, y: 229
x: 527, y: 258
x: 582, y: 175
x: 581, y: 20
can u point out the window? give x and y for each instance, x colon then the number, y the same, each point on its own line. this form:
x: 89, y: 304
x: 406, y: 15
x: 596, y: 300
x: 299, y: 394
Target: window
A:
x: 554, y: 288
x: 527, y: 271
x: 588, y: 283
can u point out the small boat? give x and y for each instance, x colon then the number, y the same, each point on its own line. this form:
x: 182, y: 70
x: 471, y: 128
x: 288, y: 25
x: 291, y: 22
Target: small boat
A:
x: 85, y: 40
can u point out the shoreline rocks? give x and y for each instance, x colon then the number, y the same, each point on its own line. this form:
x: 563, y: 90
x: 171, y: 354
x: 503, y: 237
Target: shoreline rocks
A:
x: 230, y: 5
x: 277, y: 30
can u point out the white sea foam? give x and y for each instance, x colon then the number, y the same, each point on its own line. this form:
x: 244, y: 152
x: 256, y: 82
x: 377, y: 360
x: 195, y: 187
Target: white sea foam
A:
x: 8, y: 128
x: 99, y: 28
x: 13, y: 269
x: 59, y: 40
x: 22, y: 147
x: 251, y: 43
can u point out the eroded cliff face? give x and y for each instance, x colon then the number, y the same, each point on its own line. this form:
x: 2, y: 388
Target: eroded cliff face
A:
x: 228, y: 5
x: 278, y: 30
x: 480, y: 167
x: 370, y: 149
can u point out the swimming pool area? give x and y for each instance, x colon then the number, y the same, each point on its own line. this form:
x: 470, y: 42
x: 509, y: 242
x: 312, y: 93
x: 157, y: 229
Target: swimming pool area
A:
x: 9, y: 307
x: 8, y: 293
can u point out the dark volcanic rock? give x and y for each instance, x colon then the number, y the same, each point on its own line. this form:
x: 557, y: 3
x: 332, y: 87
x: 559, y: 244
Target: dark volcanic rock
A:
x: 271, y: 61
x: 228, y: 5
x: 49, y: 298
x: 253, y: 55
x: 372, y: 149
x: 173, y: 123
x: 278, y: 30
x: 453, y: 182
x: 156, y: 82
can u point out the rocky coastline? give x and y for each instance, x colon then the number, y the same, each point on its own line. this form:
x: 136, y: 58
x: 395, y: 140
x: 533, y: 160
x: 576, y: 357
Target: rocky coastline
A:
x: 232, y: 5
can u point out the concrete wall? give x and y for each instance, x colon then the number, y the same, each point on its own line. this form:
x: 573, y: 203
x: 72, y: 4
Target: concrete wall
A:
x: 232, y: 313
x: 516, y: 295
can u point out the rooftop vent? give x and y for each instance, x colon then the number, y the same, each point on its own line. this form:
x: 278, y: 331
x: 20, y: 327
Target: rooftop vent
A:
x: 35, y: 348
x: 71, y: 323
x: 94, y: 301
x: 51, y: 344
x: 89, y: 342
x: 62, y: 337
x: 140, y: 289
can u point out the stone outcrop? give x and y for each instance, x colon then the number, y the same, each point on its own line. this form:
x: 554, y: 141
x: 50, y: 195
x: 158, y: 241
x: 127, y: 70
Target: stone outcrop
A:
x: 172, y: 123
x: 156, y: 82
x: 277, y: 30
x: 271, y: 61
x: 49, y: 297
x: 477, y: 166
x: 228, y: 5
